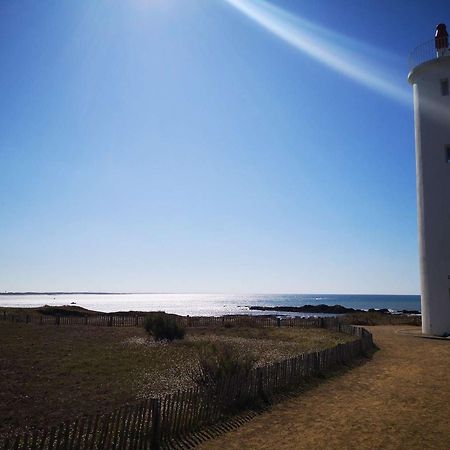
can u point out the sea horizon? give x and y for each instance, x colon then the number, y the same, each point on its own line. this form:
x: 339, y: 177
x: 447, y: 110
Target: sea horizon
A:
x: 205, y: 304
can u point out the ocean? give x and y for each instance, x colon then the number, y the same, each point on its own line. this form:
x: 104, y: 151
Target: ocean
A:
x: 211, y: 304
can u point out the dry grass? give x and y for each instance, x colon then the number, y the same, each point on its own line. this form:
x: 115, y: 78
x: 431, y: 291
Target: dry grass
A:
x: 273, y: 344
x: 398, y: 400
x: 370, y: 318
x: 49, y: 374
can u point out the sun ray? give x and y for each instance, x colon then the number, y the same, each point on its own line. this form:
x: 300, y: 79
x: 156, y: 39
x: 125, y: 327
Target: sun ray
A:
x: 343, y: 54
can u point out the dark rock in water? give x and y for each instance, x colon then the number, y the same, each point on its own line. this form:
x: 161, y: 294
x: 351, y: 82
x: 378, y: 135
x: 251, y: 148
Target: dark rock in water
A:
x: 73, y: 303
x: 382, y: 310
x: 325, y: 309
x: 318, y: 309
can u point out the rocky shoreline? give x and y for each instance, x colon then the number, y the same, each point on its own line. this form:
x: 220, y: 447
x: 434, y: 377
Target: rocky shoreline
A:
x: 75, y: 310
x: 324, y: 309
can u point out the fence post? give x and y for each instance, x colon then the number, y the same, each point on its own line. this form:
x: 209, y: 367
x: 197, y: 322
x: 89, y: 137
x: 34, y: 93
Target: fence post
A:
x: 278, y: 322
x: 27, y: 319
x: 110, y: 321
x: 156, y: 424
x: 58, y: 320
x: 262, y: 395
x: 137, y: 320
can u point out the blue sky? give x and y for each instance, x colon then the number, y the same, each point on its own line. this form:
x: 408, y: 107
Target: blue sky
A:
x: 179, y: 146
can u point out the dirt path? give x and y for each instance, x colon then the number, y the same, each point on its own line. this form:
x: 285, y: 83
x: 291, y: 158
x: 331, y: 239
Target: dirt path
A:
x: 398, y: 400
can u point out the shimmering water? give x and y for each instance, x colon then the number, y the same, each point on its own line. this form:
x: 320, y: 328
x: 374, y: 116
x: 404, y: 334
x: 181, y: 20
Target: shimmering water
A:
x: 210, y: 304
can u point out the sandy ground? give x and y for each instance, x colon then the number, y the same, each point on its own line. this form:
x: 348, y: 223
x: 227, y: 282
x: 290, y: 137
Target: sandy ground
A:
x: 398, y: 400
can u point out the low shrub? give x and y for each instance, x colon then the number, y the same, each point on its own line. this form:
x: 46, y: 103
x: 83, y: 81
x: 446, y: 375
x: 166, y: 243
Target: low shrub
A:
x: 163, y: 326
x: 220, y: 360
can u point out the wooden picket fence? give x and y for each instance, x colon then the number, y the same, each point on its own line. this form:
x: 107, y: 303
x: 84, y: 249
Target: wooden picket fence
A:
x: 136, y: 320
x: 117, y: 320
x: 171, y: 420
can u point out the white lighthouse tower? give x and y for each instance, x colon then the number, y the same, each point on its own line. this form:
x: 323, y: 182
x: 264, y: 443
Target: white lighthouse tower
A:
x: 430, y: 77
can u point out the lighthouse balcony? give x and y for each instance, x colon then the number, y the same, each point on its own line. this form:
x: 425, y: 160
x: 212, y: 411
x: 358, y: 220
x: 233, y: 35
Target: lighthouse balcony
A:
x: 428, y: 51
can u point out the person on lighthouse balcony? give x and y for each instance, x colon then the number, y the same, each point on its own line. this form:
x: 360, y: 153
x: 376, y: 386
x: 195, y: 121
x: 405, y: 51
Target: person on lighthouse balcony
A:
x: 441, y: 41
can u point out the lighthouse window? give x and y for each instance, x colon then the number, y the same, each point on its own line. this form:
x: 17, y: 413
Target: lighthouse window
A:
x: 444, y: 86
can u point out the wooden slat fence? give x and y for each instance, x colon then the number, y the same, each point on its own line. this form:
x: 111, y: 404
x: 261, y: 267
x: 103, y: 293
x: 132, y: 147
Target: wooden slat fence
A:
x: 162, y: 422
x: 117, y: 320
x: 114, y: 320
x: 111, y: 320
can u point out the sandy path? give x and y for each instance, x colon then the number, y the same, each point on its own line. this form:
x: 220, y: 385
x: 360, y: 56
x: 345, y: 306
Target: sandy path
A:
x: 398, y: 400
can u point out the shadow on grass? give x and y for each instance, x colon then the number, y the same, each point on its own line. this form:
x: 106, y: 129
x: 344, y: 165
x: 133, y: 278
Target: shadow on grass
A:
x: 233, y: 422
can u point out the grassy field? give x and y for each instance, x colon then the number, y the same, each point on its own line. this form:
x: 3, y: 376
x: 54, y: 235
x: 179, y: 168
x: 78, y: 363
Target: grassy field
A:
x: 49, y: 374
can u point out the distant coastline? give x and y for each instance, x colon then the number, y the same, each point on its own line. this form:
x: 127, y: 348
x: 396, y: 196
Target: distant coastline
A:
x: 72, y: 293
